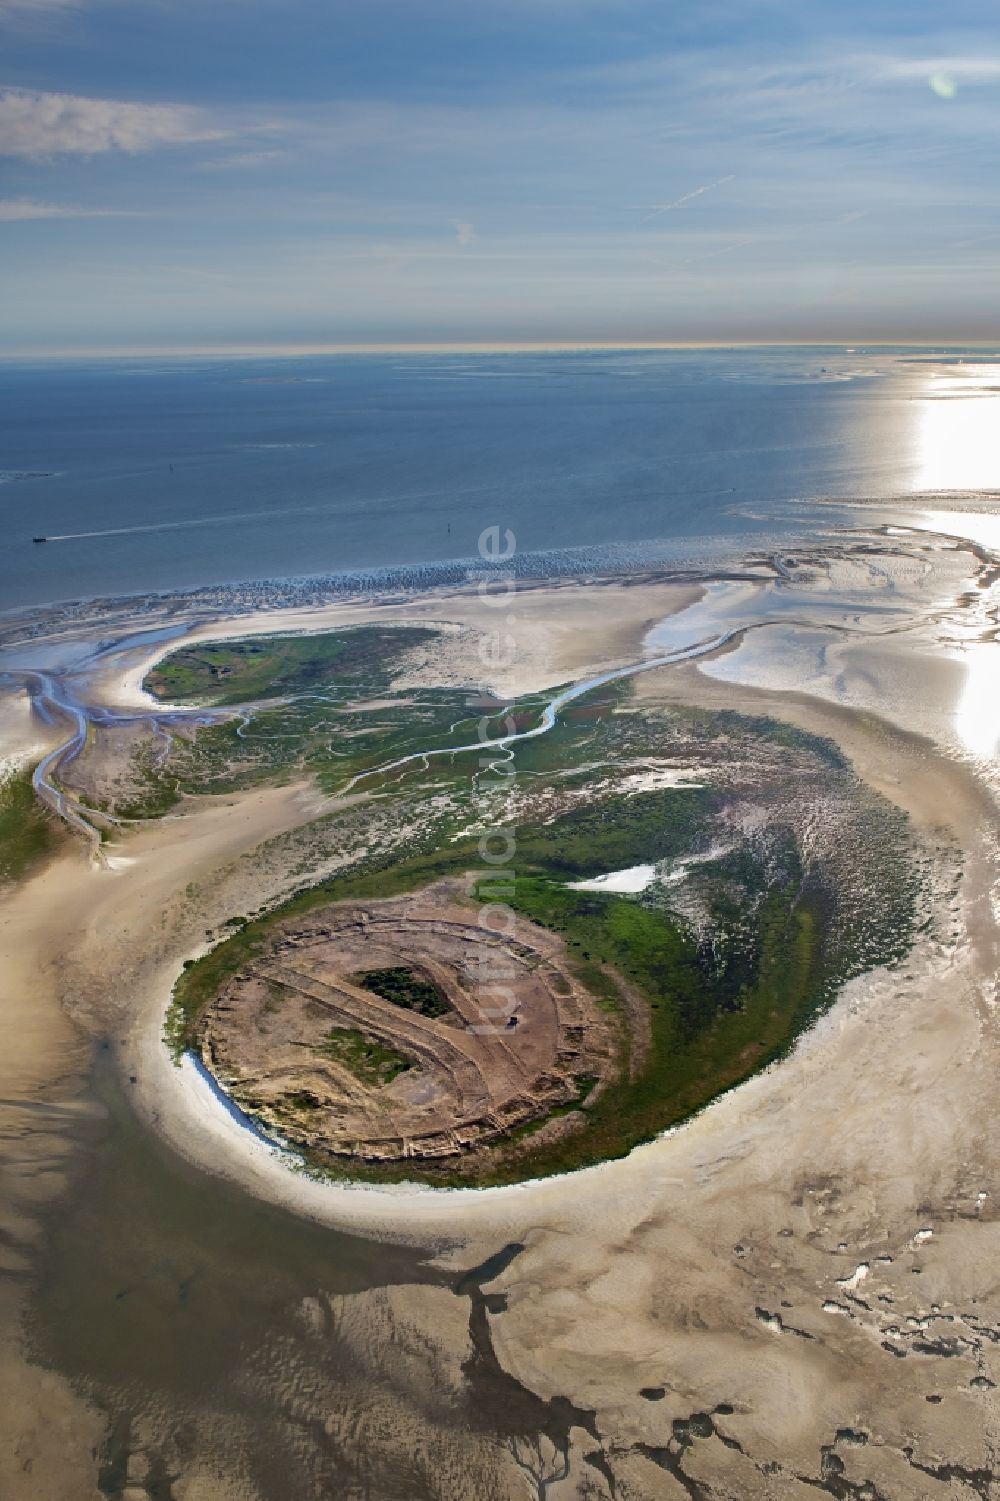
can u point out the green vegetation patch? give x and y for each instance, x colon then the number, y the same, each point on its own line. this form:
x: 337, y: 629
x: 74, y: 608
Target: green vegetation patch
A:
x: 238, y: 672
x: 709, y: 1029
x: 300, y: 1100
x: 404, y: 987
x: 368, y: 1060
x: 732, y: 960
x: 618, y: 832
x: 324, y: 727
x: 27, y: 832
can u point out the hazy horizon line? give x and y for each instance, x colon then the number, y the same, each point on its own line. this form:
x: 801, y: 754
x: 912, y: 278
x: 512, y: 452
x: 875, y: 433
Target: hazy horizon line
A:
x: 518, y: 346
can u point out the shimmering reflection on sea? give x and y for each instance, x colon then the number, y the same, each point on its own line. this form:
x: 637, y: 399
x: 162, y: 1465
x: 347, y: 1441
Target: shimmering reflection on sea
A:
x: 180, y: 475
x: 903, y: 623
x: 956, y: 422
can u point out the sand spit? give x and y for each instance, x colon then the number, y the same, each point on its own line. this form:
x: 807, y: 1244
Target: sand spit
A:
x: 701, y: 1298
x: 557, y: 634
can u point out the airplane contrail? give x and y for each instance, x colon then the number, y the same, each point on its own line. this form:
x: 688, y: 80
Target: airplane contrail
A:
x: 706, y: 187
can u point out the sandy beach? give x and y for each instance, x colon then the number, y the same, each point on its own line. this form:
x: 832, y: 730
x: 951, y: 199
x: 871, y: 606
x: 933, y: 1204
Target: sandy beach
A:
x: 558, y: 636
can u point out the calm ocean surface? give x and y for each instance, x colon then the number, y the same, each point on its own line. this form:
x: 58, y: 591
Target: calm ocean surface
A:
x: 218, y: 470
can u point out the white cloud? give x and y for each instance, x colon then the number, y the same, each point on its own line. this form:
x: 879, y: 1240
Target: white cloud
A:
x: 981, y: 68
x: 30, y: 10
x: 16, y: 209
x: 34, y: 124
x: 465, y: 233
x: 244, y: 159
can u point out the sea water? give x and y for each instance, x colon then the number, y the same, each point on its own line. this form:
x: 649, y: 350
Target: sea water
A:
x: 157, y: 474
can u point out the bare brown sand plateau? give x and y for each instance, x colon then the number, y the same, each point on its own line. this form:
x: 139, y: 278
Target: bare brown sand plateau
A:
x: 464, y: 1074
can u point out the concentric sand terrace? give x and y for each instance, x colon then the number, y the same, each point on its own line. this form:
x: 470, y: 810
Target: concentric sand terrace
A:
x: 405, y: 1030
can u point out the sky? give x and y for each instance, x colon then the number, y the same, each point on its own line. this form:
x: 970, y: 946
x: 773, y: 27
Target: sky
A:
x: 253, y: 173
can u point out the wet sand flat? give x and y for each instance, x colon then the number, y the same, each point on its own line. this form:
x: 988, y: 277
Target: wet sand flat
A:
x: 802, y: 1277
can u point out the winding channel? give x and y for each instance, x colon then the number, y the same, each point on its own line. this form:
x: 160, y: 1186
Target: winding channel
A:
x: 53, y: 701
x: 60, y: 695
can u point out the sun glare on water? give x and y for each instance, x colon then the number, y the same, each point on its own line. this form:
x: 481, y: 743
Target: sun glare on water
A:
x: 957, y: 447
x: 957, y: 437
x: 977, y: 715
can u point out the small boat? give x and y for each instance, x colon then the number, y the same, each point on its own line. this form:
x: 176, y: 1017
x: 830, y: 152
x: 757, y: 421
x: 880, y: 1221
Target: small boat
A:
x: 39, y: 539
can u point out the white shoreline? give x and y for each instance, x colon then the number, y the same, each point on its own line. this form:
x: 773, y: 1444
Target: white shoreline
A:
x: 180, y: 1103
x: 182, y: 1106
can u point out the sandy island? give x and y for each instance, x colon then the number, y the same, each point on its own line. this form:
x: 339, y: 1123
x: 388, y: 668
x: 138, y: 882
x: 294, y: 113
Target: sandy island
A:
x: 811, y: 1260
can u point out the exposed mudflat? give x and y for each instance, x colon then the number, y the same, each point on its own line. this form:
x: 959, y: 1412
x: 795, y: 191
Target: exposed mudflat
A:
x: 794, y: 1292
